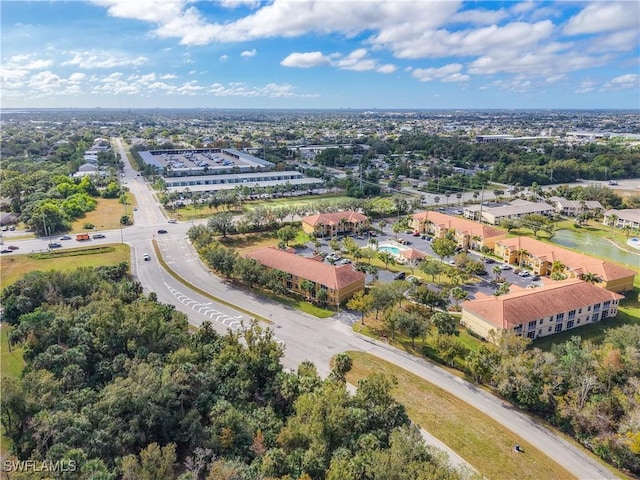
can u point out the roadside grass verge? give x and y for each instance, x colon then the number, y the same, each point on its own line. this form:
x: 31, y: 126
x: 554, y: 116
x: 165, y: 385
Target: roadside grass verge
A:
x: 293, y: 201
x: 11, y: 365
x: 15, y: 267
x: 481, y: 441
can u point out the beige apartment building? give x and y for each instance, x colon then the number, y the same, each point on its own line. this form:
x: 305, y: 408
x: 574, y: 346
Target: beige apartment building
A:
x: 468, y: 234
x: 542, y: 311
x: 335, y: 223
x: 339, y: 282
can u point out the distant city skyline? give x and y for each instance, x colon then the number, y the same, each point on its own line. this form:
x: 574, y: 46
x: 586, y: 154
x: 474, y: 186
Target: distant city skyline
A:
x: 294, y: 54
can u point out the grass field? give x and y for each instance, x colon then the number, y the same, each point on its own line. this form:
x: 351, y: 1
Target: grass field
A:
x: 106, y: 216
x: 481, y: 441
x: 16, y: 266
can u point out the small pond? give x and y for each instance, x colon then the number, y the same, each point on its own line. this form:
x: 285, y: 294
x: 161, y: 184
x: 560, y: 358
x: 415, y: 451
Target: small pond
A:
x: 594, y: 245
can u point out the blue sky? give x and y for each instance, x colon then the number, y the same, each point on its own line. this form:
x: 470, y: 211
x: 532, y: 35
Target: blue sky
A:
x: 412, y: 54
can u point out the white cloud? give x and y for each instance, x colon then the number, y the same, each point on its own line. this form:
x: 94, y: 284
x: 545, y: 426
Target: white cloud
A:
x: 102, y: 59
x: 604, y: 17
x: 586, y: 86
x: 249, y: 53
x: 240, y: 3
x: 168, y: 76
x: 480, y: 16
x: 387, y: 68
x: 305, y: 60
x: 224, y: 58
x: 357, y: 61
x: 623, y: 82
x: 555, y: 78
x: 447, y: 73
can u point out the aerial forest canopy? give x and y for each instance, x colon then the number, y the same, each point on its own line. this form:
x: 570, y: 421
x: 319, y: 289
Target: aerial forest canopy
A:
x: 115, y: 385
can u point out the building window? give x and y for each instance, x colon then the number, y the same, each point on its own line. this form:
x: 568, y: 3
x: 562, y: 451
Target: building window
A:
x: 531, y: 335
x: 558, y: 327
x: 569, y: 324
x: 549, y: 329
x: 578, y: 322
x: 594, y: 317
x: 517, y: 329
x: 596, y: 307
x: 572, y: 314
x: 606, y: 304
x: 588, y: 309
x: 541, y: 321
x: 560, y: 317
x: 579, y: 311
x: 551, y: 318
x: 532, y: 325
x: 605, y: 313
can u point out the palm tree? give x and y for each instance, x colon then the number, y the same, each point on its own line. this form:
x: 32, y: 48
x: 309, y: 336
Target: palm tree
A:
x: 447, y: 194
x: 558, y: 267
x: 459, y: 197
x: 436, y: 200
x: 590, y: 277
x: 521, y: 253
x: 387, y: 258
x: 496, y: 271
x: 627, y: 230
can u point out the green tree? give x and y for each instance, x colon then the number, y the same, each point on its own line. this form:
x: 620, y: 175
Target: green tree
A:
x: 287, y: 233
x: 361, y: 302
x: 444, y: 247
x: 445, y: 323
x: 221, y: 223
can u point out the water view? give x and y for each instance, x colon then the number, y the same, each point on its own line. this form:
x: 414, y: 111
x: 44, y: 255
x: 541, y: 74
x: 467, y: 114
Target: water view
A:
x: 594, y: 245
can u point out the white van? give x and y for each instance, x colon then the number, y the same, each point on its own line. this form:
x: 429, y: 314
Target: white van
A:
x: 146, y: 257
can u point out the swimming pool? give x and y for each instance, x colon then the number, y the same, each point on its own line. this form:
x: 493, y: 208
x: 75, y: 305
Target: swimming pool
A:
x: 634, y: 242
x: 390, y: 249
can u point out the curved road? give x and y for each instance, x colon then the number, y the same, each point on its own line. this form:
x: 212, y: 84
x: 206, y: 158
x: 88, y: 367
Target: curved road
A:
x: 304, y: 337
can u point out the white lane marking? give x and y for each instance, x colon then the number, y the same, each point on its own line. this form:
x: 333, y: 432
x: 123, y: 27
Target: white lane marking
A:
x: 234, y: 323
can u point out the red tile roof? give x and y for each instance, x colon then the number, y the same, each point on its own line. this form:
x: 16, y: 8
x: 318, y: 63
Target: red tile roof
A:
x: 333, y: 277
x: 525, y: 305
x: 334, y: 218
x: 578, y: 262
x: 461, y: 225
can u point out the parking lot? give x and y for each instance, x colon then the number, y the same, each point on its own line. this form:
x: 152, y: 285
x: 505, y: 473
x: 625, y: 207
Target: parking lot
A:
x: 483, y: 283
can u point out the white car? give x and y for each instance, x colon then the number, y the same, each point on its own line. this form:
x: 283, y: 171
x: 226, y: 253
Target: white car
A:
x: 146, y: 257
x: 524, y: 273
x: 505, y: 267
x: 173, y: 220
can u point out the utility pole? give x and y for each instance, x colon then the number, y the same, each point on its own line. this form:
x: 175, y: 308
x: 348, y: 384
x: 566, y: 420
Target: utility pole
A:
x: 481, y: 203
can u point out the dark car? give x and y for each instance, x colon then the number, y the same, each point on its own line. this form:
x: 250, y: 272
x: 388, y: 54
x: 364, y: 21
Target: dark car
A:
x: 99, y: 235
x: 65, y: 237
x: 399, y: 276
x: 535, y: 278
x: 489, y: 260
x: 161, y: 231
x: 12, y: 247
x: 5, y: 251
x: 55, y: 245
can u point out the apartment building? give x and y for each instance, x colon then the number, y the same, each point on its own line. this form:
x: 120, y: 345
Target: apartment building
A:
x: 468, y: 234
x: 335, y: 223
x: 338, y: 282
x: 540, y: 312
x: 544, y: 259
x: 573, y: 208
x: 623, y: 218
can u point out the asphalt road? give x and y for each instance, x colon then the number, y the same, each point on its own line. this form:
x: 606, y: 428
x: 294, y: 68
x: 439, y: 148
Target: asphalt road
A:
x: 304, y: 337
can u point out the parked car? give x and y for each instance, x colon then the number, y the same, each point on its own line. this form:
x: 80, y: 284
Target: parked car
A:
x: 504, y: 266
x: 524, y: 273
x: 98, y: 235
x: 416, y: 234
x: 489, y: 260
x: 55, y: 245
x: 5, y: 251
x: 535, y: 278
x: 173, y: 220
x: 399, y: 276
x: 13, y: 247
x: 161, y: 231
